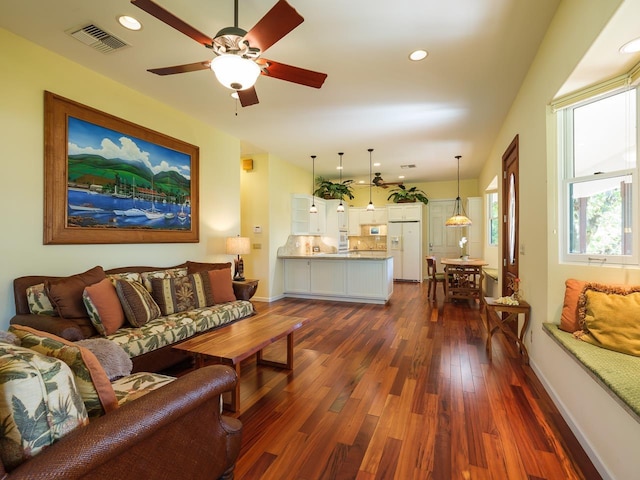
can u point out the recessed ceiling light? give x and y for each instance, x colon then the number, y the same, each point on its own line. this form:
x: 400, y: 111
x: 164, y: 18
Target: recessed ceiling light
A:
x: 129, y: 22
x: 400, y: 176
x: 338, y: 167
x: 360, y: 181
x: 376, y: 164
x: 631, y: 47
x: 418, y: 55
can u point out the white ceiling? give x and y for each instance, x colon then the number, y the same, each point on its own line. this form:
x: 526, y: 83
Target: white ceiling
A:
x: 424, y: 113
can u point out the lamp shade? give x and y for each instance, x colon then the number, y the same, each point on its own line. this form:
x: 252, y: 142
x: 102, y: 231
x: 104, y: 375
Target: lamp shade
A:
x: 458, y: 221
x: 235, y: 72
x: 238, y: 245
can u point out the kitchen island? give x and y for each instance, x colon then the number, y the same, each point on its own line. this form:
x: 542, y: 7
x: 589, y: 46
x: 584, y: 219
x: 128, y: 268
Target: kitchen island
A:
x: 364, y: 277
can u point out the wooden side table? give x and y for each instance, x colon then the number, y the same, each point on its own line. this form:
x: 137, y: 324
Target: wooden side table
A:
x: 495, y: 322
x: 247, y: 288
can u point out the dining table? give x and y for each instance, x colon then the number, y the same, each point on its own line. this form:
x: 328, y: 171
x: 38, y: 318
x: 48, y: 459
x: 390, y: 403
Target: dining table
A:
x: 463, y: 278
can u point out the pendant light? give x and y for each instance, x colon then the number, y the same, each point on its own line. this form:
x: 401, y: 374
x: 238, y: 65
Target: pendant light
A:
x: 340, y: 208
x: 370, y: 207
x: 313, y: 208
x: 458, y: 219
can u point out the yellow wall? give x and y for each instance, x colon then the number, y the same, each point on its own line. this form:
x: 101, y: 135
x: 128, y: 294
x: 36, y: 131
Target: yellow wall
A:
x: 266, y: 202
x: 609, y: 435
x: 34, y: 70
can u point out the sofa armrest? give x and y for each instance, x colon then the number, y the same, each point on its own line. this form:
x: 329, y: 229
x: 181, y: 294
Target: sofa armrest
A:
x: 62, y: 327
x: 176, y: 431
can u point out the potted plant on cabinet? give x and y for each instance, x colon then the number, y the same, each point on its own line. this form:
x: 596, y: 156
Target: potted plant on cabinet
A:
x: 333, y: 190
x: 402, y: 194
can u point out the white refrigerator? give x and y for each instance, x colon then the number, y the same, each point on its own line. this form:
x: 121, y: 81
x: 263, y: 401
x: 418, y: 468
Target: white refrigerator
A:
x: 405, y: 244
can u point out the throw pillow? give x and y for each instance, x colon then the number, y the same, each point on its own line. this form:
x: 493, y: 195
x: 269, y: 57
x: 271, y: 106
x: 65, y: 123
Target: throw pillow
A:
x: 167, y: 273
x: 609, y: 318
x: 103, y: 306
x: 195, y: 267
x: 180, y: 294
x: 569, y: 320
x: 66, y: 293
x: 38, y: 301
x: 137, y: 303
x: 222, y: 286
x: 114, y: 360
x: 91, y: 380
x: 39, y: 403
x: 131, y: 276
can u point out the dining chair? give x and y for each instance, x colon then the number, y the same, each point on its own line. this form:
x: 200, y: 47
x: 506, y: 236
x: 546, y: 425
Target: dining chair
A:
x: 433, y: 277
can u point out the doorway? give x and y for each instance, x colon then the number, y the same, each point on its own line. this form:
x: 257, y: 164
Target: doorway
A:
x: 510, y: 215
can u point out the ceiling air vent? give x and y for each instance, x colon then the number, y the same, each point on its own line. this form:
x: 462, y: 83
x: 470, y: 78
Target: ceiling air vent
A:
x: 412, y: 165
x: 97, y: 38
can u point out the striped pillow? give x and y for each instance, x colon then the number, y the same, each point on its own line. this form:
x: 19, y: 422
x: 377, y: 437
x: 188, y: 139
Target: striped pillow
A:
x: 180, y: 294
x: 137, y: 303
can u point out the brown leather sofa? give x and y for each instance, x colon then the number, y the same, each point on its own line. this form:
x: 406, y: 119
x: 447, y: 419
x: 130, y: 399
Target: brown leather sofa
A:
x: 78, y: 329
x: 176, y: 431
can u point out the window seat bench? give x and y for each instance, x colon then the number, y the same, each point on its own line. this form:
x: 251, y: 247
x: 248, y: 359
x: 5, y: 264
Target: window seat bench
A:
x: 617, y: 373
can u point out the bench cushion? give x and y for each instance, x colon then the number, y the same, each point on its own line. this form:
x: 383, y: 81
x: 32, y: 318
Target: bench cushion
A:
x: 617, y: 372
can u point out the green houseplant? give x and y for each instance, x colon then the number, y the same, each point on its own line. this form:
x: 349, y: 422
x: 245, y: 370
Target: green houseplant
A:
x: 402, y: 194
x: 336, y: 190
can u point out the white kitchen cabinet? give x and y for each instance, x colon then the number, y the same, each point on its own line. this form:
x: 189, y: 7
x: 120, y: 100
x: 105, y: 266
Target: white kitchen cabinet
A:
x: 328, y: 277
x: 337, y: 221
x: 297, y: 275
x: 405, y: 212
x: 302, y: 221
x: 346, y: 279
x: 370, y: 279
x: 375, y: 217
x: 354, y: 220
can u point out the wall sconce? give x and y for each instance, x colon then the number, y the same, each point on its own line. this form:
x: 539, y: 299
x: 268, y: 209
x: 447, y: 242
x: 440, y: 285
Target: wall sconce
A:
x: 238, y: 246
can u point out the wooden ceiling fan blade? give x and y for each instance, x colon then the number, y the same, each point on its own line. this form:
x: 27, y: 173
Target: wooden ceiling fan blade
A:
x: 170, y: 19
x: 248, y: 97
x: 289, y: 73
x: 189, y: 67
x: 276, y: 23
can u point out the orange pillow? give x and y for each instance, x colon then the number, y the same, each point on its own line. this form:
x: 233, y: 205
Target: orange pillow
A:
x: 569, y: 320
x: 108, y: 315
x: 221, y: 285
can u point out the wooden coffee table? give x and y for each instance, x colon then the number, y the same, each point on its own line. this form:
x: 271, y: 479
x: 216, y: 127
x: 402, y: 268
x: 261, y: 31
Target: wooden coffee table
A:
x: 233, y: 343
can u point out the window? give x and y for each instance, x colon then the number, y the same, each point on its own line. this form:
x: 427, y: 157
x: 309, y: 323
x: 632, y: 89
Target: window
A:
x: 600, y: 204
x: 492, y: 209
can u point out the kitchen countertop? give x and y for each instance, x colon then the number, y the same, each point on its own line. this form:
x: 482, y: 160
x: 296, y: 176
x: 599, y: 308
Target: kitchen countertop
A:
x: 361, y: 255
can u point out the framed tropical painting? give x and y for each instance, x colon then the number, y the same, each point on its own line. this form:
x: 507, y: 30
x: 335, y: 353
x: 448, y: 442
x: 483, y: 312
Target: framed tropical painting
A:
x: 108, y: 180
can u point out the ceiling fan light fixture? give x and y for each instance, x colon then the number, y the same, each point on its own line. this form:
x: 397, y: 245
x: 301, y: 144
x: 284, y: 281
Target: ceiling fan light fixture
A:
x: 235, y: 72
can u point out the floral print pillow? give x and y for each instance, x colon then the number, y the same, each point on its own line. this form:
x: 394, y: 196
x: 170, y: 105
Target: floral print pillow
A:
x: 39, y: 403
x: 39, y: 302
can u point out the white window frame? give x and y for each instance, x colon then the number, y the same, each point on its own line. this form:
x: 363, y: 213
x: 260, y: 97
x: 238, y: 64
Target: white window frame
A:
x: 566, y: 178
x: 490, y: 194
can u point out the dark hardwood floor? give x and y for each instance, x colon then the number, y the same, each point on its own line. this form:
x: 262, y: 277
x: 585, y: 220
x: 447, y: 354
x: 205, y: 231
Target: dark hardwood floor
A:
x: 402, y: 391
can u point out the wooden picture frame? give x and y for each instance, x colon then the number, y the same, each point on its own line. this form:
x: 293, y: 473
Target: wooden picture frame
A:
x: 107, y: 180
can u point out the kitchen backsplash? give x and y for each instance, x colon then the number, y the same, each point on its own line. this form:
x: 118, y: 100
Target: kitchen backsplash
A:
x: 368, y: 242
x: 305, y: 245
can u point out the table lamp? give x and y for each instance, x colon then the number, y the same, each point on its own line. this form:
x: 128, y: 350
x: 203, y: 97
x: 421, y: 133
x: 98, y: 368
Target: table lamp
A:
x: 238, y: 246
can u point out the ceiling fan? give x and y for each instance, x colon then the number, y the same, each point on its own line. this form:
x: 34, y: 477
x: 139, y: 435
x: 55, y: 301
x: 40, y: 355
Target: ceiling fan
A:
x: 237, y: 62
x: 378, y: 181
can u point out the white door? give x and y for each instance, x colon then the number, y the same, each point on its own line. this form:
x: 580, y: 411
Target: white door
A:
x: 443, y: 241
